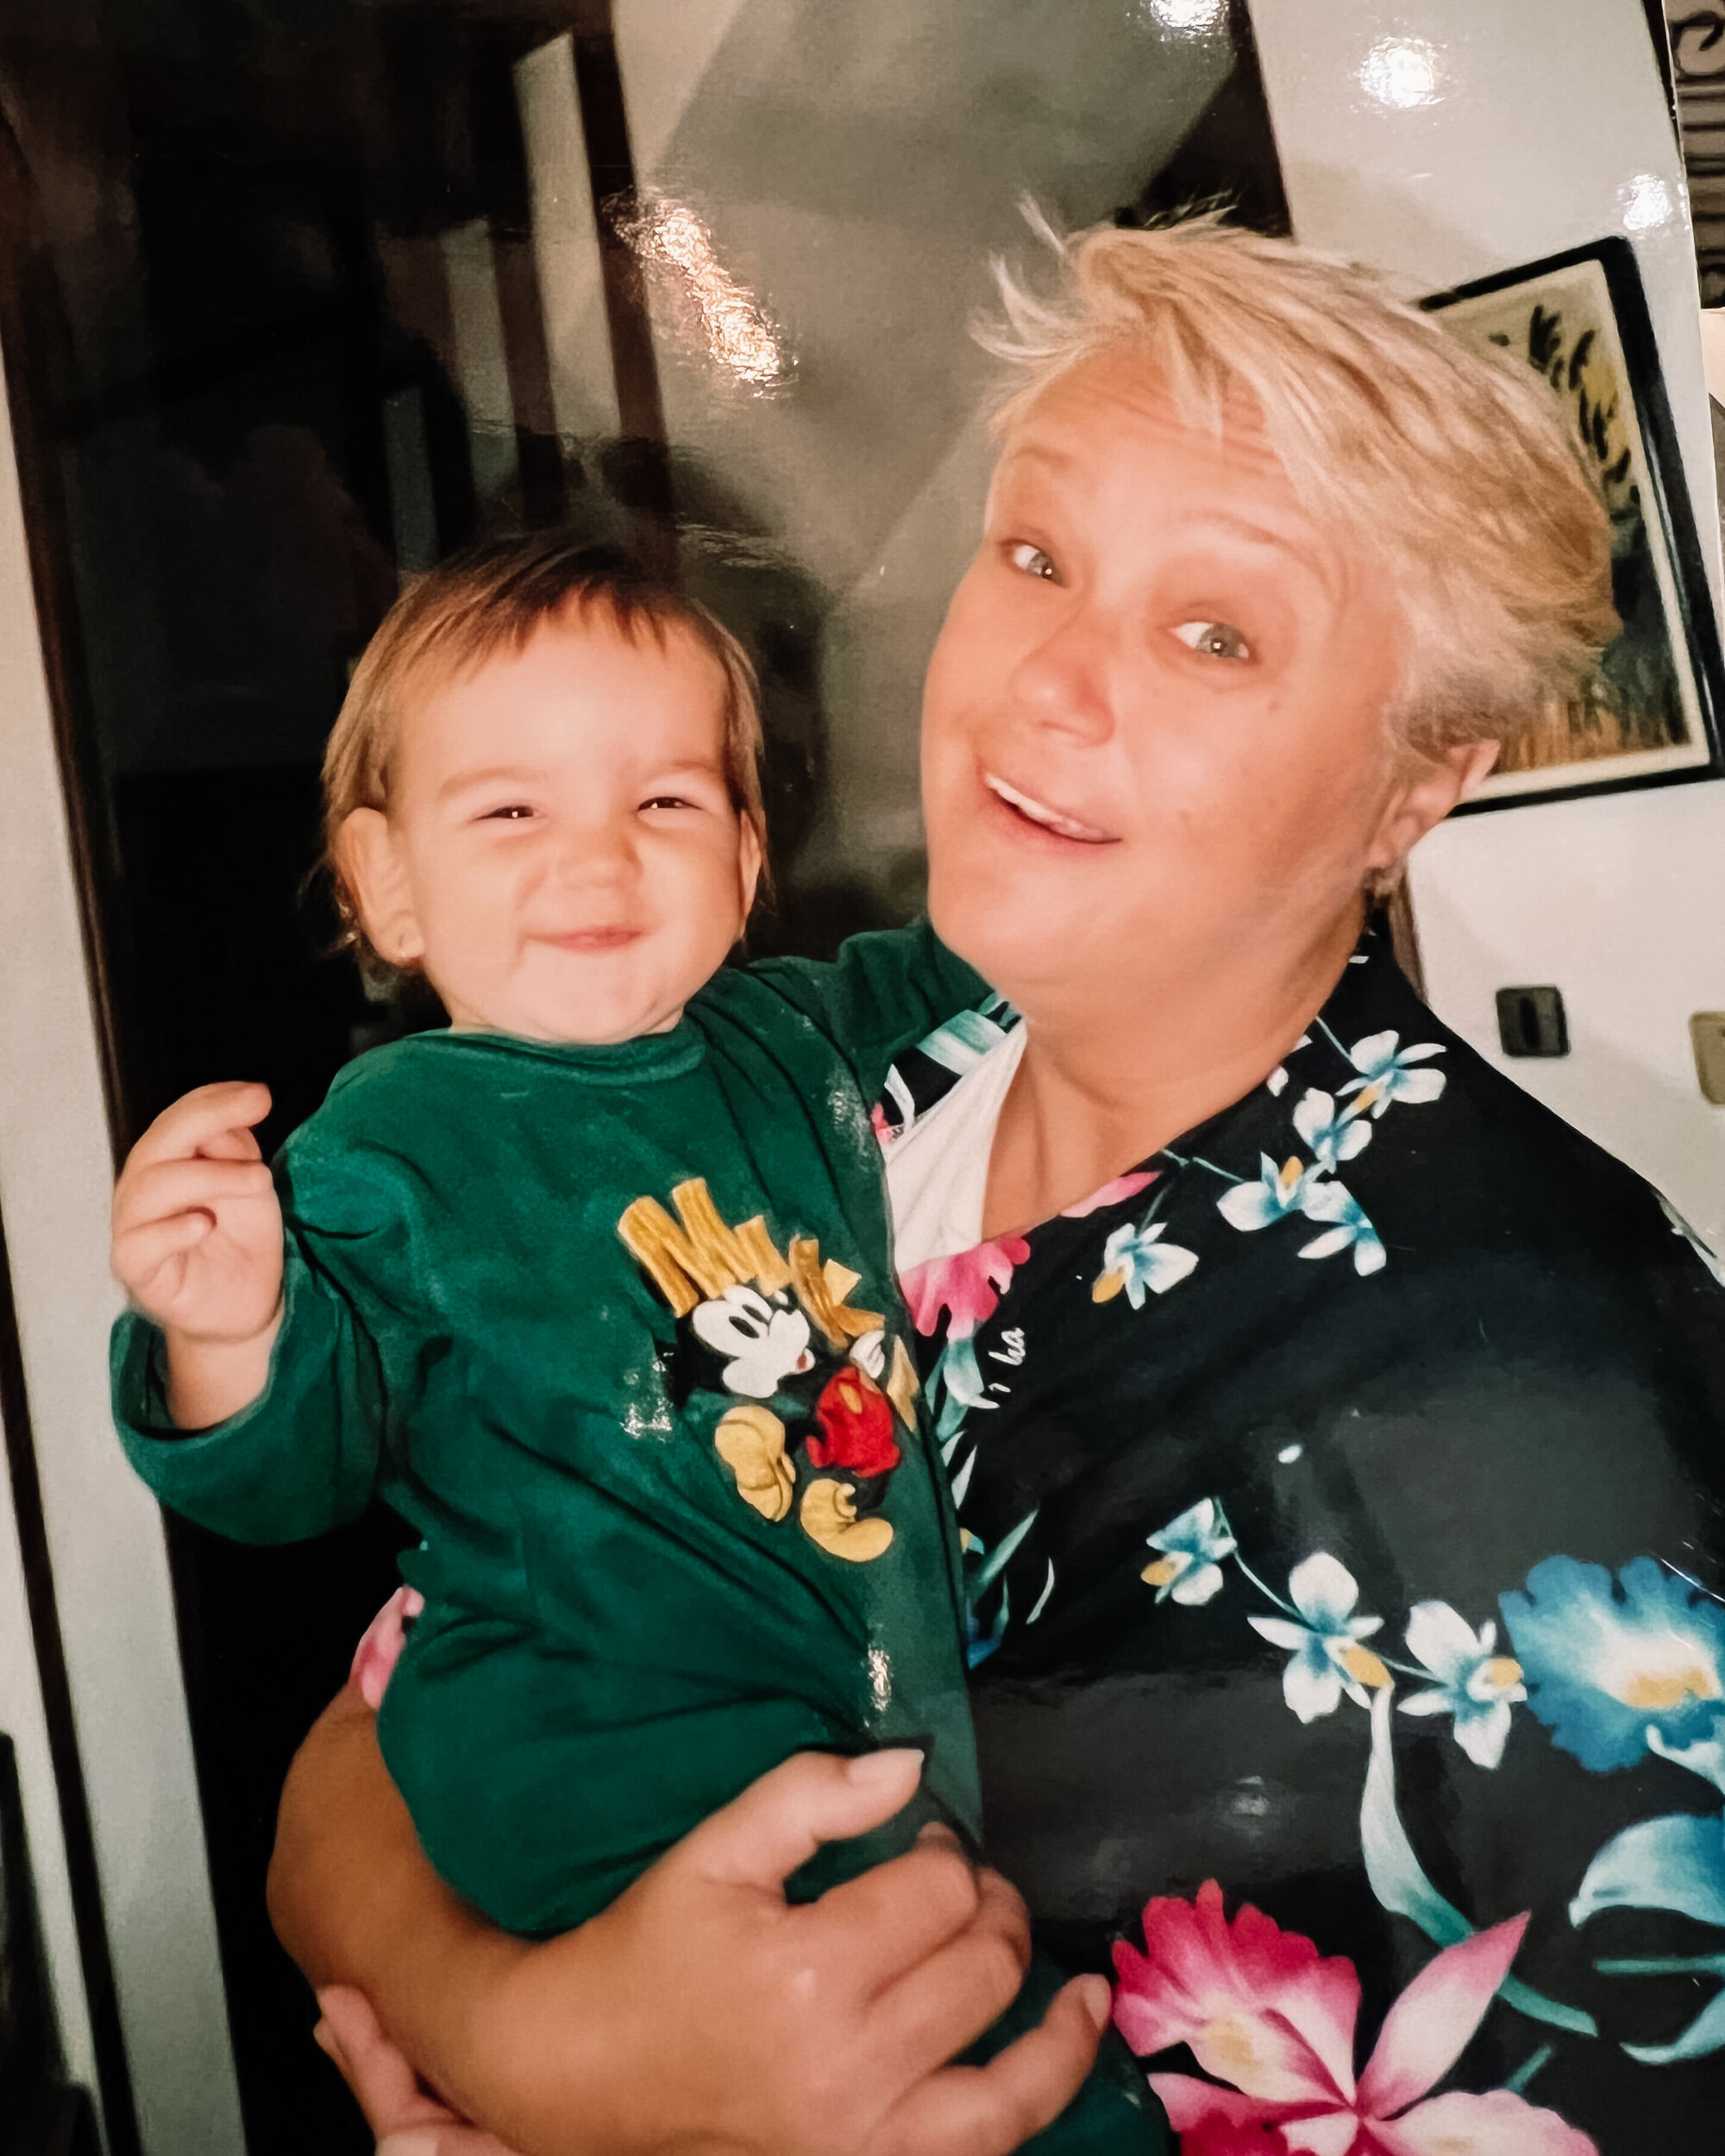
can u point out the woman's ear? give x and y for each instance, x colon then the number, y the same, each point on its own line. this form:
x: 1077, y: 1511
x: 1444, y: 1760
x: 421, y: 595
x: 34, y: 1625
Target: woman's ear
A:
x: 1426, y: 796
x: 371, y: 868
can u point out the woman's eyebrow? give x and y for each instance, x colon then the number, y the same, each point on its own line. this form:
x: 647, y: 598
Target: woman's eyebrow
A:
x: 1306, y: 552
x: 1033, y: 453
x: 1235, y: 526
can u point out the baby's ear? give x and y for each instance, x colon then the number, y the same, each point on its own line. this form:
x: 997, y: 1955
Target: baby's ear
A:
x: 369, y: 862
x: 750, y: 858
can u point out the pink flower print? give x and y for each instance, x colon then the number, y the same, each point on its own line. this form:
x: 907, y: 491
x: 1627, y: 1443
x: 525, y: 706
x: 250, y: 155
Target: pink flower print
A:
x: 377, y: 1654
x: 1263, y: 2012
x: 1113, y: 1194
x: 969, y: 1286
x: 885, y: 1133
x: 1258, y: 2005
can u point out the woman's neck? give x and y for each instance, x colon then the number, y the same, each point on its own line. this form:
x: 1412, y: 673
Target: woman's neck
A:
x: 1105, y: 1081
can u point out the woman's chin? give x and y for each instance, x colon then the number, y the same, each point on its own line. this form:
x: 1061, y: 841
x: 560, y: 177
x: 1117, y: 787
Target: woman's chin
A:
x: 1008, y: 932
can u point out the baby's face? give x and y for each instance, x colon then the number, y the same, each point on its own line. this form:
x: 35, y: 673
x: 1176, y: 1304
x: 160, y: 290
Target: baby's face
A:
x: 560, y: 855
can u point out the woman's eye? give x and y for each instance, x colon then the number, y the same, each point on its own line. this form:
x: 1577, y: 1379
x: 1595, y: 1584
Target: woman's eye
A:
x: 1031, y: 560
x: 1214, y: 639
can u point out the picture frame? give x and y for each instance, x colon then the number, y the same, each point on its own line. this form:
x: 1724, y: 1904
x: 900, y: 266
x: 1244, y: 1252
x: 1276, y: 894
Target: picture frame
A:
x: 1651, y: 714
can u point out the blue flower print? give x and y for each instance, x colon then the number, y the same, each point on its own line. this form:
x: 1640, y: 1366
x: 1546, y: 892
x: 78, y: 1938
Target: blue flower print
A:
x: 1277, y: 1192
x: 1333, y: 1138
x: 1617, y: 1667
x: 1386, y: 1073
x: 1277, y: 1081
x: 983, y: 1567
x: 1189, y: 1568
x: 1353, y: 1230
x: 1137, y: 1260
x: 1325, y: 1658
x: 1475, y: 1683
x: 1678, y: 1863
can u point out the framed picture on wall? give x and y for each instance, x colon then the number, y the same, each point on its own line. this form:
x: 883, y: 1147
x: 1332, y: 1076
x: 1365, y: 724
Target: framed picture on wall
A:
x: 1650, y: 713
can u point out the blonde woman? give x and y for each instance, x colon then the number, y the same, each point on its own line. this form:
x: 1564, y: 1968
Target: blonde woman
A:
x: 1335, y: 1432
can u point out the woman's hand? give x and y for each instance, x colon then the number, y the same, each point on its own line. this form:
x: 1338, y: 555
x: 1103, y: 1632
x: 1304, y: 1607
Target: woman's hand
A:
x: 731, y: 2020
x: 406, y: 2119
x: 701, y: 2011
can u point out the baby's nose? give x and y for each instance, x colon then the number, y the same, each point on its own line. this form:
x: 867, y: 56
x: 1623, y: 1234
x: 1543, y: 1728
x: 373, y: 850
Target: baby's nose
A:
x: 601, y: 852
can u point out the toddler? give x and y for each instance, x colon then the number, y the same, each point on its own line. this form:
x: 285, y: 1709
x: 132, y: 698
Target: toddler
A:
x: 594, y: 1286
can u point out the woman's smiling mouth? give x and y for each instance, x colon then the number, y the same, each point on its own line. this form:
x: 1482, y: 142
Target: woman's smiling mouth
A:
x: 1045, y: 817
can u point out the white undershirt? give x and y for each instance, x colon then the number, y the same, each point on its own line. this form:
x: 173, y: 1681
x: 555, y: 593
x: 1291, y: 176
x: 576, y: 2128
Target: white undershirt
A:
x: 937, y: 1172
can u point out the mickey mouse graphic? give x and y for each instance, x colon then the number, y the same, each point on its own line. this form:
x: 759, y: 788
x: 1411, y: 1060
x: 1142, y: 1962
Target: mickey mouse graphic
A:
x: 767, y: 1342
x: 765, y: 1324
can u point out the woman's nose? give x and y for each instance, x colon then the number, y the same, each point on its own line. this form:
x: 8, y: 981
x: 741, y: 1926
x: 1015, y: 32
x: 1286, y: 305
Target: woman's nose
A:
x: 1062, y: 683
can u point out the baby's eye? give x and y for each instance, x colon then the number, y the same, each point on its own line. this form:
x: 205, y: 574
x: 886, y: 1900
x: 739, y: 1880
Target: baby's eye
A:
x: 1031, y: 560
x: 511, y: 812
x: 666, y: 801
x: 1214, y: 639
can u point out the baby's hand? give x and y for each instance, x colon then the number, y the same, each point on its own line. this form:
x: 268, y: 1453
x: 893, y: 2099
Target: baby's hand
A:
x: 198, y: 1246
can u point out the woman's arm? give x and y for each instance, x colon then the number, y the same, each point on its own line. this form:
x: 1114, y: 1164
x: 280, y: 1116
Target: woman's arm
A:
x: 701, y: 2010
x: 355, y: 1900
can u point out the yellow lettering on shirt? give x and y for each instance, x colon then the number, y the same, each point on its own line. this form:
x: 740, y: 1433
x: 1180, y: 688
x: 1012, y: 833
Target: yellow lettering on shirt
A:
x: 696, y: 1256
x: 837, y: 1319
x: 692, y: 1263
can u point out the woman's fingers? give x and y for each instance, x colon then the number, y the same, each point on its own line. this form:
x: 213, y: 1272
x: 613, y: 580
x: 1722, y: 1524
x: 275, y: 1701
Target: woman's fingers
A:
x: 988, y: 2110
x: 919, y: 1901
x: 1004, y: 1905
x: 385, y: 2087
x: 948, y: 1999
x: 442, y: 2140
x: 778, y: 1822
x: 406, y: 2121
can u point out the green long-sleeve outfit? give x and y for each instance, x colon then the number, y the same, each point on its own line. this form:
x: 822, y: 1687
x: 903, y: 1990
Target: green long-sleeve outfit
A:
x: 615, y: 1329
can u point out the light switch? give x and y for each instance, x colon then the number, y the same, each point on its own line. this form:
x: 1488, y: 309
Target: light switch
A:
x: 1707, y: 1036
x: 1532, y: 1022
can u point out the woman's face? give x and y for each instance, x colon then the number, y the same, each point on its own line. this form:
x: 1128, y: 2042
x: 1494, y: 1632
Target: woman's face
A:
x: 1154, y: 724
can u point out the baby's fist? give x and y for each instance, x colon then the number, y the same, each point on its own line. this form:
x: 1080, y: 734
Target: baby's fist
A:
x: 197, y: 1227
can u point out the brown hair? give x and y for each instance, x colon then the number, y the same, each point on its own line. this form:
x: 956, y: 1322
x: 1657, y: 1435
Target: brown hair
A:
x: 492, y: 599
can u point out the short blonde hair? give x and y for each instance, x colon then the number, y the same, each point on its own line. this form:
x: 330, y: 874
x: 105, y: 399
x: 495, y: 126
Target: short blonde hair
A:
x: 1454, y: 466
x: 492, y: 599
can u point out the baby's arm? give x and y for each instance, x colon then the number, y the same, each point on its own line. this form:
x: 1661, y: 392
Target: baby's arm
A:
x: 881, y: 994
x: 198, y: 1247
x: 248, y: 1392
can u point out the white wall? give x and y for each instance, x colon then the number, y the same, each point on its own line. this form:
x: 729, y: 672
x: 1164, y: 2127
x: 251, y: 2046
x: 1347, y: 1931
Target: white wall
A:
x: 1542, y: 113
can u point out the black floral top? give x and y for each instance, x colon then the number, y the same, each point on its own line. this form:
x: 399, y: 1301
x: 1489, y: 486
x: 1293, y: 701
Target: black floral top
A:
x: 1340, y: 1494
